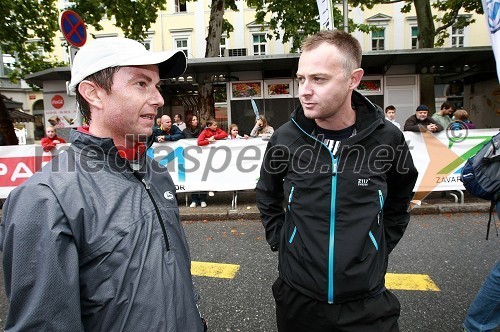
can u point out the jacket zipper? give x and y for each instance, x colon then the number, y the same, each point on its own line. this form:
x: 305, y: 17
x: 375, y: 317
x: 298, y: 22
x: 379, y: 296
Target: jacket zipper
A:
x: 381, y: 201
x: 162, y: 224
x: 331, y: 242
x: 290, y: 197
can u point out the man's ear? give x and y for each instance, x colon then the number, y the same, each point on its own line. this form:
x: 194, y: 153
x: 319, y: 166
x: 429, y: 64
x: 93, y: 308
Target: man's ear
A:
x: 356, y: 77
x: 91, y: 93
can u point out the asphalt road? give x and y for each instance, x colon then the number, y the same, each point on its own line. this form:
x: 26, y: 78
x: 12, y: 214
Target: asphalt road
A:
x: 451, y: 250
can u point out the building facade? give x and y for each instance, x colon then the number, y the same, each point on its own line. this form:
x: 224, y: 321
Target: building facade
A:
x: 184, y: 26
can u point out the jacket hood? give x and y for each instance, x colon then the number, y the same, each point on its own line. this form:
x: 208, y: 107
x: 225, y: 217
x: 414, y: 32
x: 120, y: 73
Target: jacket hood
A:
x: 368, y: 115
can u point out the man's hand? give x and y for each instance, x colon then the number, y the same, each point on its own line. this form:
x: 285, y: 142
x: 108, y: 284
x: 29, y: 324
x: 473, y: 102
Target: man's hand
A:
x: 161, y: 139
x: 432, y: 127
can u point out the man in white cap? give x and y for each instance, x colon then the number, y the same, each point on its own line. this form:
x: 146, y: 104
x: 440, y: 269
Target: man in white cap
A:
x: 93, y: 242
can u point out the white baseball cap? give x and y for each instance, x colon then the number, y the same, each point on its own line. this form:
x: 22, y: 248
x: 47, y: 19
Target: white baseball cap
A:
x: 116, y: 51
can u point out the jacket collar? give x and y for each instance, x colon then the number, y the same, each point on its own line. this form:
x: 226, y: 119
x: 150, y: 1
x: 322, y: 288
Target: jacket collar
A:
x: 82, y: 138
x: 368, y: 116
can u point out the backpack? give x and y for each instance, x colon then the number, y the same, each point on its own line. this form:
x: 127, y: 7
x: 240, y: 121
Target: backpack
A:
x: 481, y: 175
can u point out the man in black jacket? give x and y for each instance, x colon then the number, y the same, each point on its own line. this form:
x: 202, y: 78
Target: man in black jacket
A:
x: 420, y: 122
x: 346, y: 176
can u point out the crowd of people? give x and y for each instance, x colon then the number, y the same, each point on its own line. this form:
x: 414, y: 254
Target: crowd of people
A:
x: 165, y: 130
x: 445, y: 118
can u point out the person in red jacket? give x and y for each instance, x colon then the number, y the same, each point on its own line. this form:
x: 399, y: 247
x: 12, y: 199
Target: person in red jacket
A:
x: 50, y: 142
x: 211, y: 133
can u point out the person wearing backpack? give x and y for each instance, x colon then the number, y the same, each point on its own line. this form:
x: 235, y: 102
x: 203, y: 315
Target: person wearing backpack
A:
x: 481, y: 177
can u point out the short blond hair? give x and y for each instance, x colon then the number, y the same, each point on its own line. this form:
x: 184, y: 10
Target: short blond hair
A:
x: 343, y: 41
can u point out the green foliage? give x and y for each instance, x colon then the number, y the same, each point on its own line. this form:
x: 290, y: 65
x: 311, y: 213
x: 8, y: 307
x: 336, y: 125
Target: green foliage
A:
x: 292, y: 20
x: 133, y: 17
x: 27, y: 30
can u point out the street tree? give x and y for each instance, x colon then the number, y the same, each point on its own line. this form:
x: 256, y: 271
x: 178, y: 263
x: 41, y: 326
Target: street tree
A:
x: 27, y: 31
x: 292, y: 20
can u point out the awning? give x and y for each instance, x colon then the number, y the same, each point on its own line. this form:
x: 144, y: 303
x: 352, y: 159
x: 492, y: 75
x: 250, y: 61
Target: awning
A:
x: 20, y: 116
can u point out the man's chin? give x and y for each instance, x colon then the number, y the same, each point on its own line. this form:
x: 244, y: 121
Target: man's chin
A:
x: 310, y: 114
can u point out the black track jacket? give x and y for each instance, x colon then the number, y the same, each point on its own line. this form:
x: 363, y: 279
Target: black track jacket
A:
x: 336, y: 218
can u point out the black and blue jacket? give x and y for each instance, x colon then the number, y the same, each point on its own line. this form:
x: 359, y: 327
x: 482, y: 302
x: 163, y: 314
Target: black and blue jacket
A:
x: 336, y: 218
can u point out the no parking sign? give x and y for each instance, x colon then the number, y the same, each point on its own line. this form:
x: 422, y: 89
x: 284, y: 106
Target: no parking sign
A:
x: 73, y: 28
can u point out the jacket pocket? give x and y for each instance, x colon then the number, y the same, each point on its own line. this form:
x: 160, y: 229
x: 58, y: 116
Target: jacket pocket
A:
x: 374, y: 236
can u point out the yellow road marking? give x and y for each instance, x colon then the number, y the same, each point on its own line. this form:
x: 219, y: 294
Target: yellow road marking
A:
x: 214, y: 270
x: 418, y: 282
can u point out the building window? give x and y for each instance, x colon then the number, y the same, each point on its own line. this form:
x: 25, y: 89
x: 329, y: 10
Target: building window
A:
x: 237, y: 52
x: 378, y: 40
x: 222, y: 46
x: 414, y: 38
x: 457, y: 37
x: 8, y: 64
x: 180, y: 6
x: 182, y: 45
x: 259, y: 44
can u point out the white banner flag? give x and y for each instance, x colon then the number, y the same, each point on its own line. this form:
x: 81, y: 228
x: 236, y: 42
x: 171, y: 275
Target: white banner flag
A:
x: 325, y: 14
x: 491, y: 10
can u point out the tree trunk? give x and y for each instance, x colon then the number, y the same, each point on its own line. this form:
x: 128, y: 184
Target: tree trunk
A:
x: 426, y: 34
x: 206, y: 100
x: 7, y: 132
x: 205, y: 87
x: 426, y: 29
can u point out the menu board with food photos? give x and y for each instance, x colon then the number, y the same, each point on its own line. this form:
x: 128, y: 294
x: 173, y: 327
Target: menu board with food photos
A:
x: 60, y: 111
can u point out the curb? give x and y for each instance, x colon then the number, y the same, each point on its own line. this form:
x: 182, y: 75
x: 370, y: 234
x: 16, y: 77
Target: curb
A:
x: 225, y: 214
x: 219, y: 215
x: 451, y: 208
x: 228, y: 214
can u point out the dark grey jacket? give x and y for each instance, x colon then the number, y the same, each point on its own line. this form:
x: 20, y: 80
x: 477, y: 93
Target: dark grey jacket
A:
x: 89, y: 244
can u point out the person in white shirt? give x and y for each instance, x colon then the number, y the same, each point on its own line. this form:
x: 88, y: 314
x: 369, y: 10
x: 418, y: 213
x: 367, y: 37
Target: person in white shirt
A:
x: 390, y: 115
x: 178, y: 122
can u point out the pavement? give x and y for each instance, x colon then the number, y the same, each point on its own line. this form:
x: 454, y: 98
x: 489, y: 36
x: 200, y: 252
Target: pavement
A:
x: 227, y: 206
x: 221, y: 206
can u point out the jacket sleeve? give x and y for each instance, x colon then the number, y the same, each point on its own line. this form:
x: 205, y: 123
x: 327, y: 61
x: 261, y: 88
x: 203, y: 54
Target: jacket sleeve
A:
x: 411, y: 125
x: 40, y: 263
x: 175, y: 134
x: 187, y: 133
x: 201, y: 139
x: 255, y: 130
x: 61, y: 140
x: 221, y: 134
x: 270, y: 194
x: 401, y: 180
x: 440, y: 127
x: 47, y: 144
x: 156, y: 133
